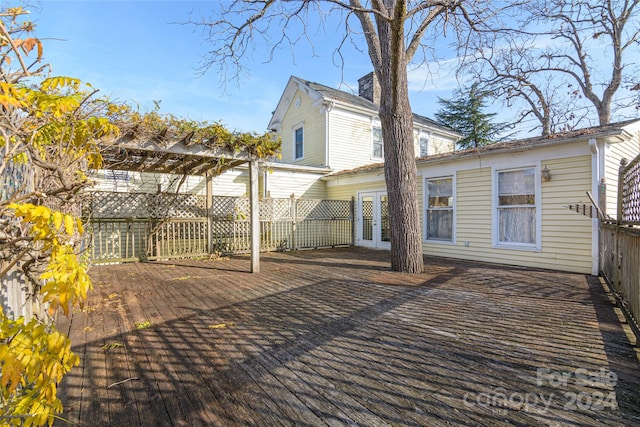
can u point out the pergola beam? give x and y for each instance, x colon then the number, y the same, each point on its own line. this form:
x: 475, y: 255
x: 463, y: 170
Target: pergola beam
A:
x: 128, y: 154
x: 208, y: 167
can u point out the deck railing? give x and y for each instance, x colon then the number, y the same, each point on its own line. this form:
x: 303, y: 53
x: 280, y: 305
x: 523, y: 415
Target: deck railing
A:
x: 620, y: 243
x: 620, y: 264
x: 187, y: 230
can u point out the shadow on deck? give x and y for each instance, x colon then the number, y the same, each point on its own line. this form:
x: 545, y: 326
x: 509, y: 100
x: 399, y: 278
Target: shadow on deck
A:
x: 333, y: 337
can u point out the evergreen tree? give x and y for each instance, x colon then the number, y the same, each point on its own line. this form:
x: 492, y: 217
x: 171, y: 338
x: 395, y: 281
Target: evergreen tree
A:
x: 464, y: 113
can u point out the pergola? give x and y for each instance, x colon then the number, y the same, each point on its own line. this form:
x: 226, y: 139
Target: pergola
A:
x: 183, y: 157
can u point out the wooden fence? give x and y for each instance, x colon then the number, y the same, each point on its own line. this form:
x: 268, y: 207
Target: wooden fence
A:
x: 139, y: 226
x: 620, y: 244
x: 15, y: 288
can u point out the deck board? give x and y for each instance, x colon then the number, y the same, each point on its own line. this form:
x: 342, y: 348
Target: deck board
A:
x: 333, y: 337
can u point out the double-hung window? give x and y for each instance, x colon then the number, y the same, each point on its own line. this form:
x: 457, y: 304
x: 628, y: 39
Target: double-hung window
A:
x: 517, y: 208
x: 298, y: 143
x: 423, y: 141
x: 439, y: 221
x: 377, y: 150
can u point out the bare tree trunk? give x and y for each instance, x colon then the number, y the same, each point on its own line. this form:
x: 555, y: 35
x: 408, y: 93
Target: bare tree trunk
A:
x: 399, y: 156
x: 604, y: 112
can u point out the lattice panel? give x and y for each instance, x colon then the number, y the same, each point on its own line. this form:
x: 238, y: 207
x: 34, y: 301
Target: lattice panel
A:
x: 227, y: 208
x: 143, y: 205
x: 275, y: 209
x: 13, y: 177
x: 176, y: 206
x: 631, y: 192
x: 118, y: 205
x: 367, y: 209
x: 323, y: 209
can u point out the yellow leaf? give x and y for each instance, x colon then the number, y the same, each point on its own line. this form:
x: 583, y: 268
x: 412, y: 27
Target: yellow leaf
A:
x: 68, y: 224
x: 142, y: 325
x: 57, y: 220
x: 219, y: 325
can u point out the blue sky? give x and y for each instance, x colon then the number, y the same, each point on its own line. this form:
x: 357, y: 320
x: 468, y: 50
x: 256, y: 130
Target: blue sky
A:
x: 136, y: 51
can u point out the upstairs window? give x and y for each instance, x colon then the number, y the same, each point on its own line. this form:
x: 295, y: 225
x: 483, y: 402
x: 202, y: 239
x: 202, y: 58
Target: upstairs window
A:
x: 298, y: 143
x: 517, y: 207
x: 439, y: 221
x: 424, y: 145
x: 377, y: 150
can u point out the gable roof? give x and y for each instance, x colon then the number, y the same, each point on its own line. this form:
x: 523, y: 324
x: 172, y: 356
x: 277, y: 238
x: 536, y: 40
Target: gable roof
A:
x: 320, y: 93
x: 614, y: 132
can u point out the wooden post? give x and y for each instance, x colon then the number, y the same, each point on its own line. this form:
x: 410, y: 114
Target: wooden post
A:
x: 617, y: 279
x: 623, y: 164
x: 254, y: 203
x: 208, y: 203
x: 602, y: 198
x: 294, y: 221
x: 354, y: 226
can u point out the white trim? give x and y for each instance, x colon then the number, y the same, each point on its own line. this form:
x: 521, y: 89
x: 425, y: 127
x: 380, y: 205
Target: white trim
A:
x: 449, y: 165
x: 328, y: 107
x: 495, y: 231
x: 597, y: 171
x: 425, y: 205
x: 426, y: 135
x: 376, y: 124
x: 375, y: 242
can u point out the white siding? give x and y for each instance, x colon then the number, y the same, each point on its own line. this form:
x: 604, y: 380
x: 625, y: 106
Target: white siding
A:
x: 141, y: 182
x: 439, y: 144
x: 616, y: 152
x: 234, y: 182
x: 350, y: 140
x: 303, y: 185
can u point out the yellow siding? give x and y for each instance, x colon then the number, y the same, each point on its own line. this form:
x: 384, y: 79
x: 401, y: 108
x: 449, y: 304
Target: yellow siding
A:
x: 311, y: 117
x: 346, y: 192
x: 566, y: 235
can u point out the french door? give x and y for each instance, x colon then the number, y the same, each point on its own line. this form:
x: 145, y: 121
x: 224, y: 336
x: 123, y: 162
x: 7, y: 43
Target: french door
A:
x: 373, y: 220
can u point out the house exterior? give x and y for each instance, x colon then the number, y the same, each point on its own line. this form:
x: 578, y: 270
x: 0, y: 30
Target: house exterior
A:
x: 324, y: 127
x: 511, y: 203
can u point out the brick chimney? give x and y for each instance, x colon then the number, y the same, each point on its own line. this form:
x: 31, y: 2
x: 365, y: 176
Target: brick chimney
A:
x: 369, y: 88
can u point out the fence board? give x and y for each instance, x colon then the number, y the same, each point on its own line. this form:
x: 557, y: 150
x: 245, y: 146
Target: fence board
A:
x: 620, y: 243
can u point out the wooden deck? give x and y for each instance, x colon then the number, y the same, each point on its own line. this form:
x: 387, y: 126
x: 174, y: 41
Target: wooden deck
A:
x: 332, y: 337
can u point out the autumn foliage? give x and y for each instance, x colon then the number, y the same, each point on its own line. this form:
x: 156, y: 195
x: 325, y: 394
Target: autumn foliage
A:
x: 52, y: 130
x: 49, y: 129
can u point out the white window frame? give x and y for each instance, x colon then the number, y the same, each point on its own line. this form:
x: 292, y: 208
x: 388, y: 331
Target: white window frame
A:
x: 533, y: 247
x: 427, y: 137
x: 425, y: 234
x: 297, y: 127
x: 376, y: 125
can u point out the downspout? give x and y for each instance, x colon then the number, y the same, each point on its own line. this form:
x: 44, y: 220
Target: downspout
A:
x: 328, y: 107
x: 595, y: 222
